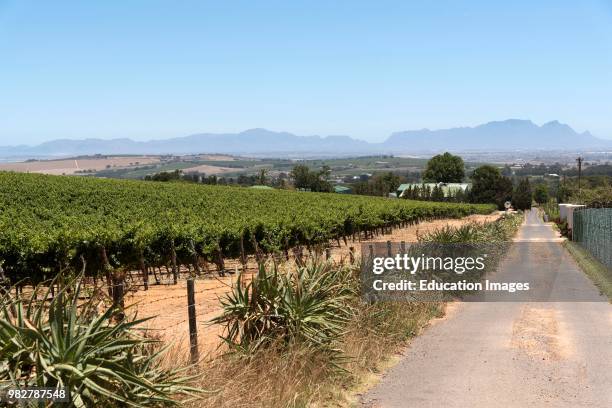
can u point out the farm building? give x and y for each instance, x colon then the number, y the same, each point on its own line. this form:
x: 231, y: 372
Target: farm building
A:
x: 448, y: 189
x: 343, y: 190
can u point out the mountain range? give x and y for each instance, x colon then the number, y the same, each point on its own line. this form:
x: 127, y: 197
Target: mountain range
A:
x: 506, y: 135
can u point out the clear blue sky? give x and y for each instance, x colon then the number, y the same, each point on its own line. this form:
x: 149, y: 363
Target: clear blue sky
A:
x: 153, y: 69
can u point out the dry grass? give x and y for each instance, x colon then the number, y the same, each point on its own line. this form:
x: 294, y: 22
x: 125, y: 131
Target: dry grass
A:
x: 299, y: 376
x: 595, y: 270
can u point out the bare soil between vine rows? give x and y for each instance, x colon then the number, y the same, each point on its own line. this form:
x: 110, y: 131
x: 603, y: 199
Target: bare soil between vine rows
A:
x: 167, y: 303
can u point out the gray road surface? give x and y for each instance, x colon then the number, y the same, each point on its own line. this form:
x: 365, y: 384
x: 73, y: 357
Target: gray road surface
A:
x: 511, y: 354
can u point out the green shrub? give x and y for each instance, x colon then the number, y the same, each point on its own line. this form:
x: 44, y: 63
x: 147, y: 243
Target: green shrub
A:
x: 63, y: 341
x: 310, y: 304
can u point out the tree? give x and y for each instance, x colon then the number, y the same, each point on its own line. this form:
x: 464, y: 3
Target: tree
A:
x: 380, y: 184
x: 540, y: 194
x: 385, y: 183
x: 166, y: 176
x: 262, y: 176
x: 521, y: 198
x: 503, y: 192
x: 314, y: 181
x: 437, y: 194
x: 444, y: 168
x: 506, y: 171
x: 563, y: 193
x: 489, y: 186
x: 484, y: 184
x: 301, y: 176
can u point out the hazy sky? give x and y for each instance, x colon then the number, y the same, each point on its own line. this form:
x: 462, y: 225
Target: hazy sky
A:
x: 157, y: 69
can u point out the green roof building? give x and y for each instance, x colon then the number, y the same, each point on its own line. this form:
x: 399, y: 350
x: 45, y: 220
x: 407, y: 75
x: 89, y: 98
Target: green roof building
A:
x: 343, y: 190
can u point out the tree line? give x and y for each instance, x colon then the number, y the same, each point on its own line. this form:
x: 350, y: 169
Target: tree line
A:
x: 489, y: 184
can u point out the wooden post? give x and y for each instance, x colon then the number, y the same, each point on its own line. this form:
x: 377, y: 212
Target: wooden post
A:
x: 174, y: 267
x: 118, y: 303
x: 107, y: 270
x: 196, y: 263
x: 145, y: 273
x: 327, y: 254
x: 389, y: 250
x: 219, y: 261
x: 352, y: 255
x: 403, y: 247
x: 243, y: 255
x: 193, y: 330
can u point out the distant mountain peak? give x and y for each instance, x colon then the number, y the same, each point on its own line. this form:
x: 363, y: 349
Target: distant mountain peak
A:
x: 526, y: 123
x: 257, y: 131
x: 556, y: 124
x: 509, y: 134
x: 503, y: 135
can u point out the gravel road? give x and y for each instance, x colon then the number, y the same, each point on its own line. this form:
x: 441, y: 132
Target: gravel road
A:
x: 511, y: 354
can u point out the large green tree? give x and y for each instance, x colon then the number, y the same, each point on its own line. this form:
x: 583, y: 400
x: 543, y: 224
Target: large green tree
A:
x: 521, y: 198
x: 489, y: 186
x: 303, y: 177
x: 540, y: 194
x: 386, y: 183
x: 503, y: 192
x: 445, y: 168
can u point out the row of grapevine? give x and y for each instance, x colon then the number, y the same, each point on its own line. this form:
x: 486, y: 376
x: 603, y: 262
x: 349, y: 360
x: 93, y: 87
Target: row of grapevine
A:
x: 50, y: 223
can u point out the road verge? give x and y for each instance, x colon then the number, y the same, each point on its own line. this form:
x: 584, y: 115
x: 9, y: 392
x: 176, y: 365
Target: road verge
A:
x: 595, y: 270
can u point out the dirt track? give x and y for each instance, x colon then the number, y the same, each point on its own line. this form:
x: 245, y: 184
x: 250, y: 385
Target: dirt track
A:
x: 511, y: 354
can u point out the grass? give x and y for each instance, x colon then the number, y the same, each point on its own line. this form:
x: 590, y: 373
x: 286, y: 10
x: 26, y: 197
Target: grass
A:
x: 551, y: 208
x: 302, y: 376
x: 595, y: 270
x: 298, y: 374
x: 305, y: 337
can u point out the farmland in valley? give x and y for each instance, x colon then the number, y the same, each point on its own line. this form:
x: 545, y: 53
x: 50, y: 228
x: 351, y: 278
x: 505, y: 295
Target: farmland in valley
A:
x: 78, y: 165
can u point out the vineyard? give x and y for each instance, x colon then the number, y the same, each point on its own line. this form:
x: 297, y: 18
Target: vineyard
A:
x: 52, y: 223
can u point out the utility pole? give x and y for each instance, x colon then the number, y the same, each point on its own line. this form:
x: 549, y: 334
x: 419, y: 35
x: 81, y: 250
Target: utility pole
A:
x: 579, y: 160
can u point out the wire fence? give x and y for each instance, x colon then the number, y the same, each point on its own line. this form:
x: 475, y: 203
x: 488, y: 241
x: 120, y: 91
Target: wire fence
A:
x: 593, y: 231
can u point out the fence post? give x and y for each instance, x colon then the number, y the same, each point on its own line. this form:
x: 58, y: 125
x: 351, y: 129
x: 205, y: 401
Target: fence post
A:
x: 175, y: 268
x: 403, y: 247
x: 327, y: 254
x: 389, y: 250
x: 145, y: 272
x: 193, y: 331
x: 352, y: 255
x: 118, y: 303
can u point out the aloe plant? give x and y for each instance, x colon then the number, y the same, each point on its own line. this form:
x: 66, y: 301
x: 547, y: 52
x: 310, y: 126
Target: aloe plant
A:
x: 310, y: 304
x: 63, y: 341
